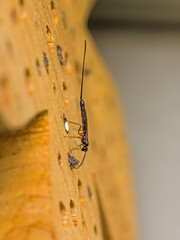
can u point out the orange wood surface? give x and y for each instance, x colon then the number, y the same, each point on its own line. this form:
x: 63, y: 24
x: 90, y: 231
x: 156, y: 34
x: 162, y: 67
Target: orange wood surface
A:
x: 41, y: 52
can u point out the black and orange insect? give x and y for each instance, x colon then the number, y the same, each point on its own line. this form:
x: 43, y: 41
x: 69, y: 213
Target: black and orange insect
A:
x: 83, y: 129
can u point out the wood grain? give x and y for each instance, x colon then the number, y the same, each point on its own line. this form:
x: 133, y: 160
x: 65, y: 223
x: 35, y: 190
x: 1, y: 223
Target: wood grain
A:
x: 41, y: 52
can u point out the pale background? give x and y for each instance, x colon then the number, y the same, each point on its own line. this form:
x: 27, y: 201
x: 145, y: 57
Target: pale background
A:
x: 145, y: 62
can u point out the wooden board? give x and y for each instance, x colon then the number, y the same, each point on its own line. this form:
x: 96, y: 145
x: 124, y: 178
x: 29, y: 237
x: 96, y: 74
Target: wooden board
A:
x: 41, y: 52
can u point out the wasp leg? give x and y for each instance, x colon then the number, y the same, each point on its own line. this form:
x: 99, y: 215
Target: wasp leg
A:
x: 76, y: 148
x: 80, y: 130
x: 73, y: 137
x: 74, y: 123
x: 78, y: 166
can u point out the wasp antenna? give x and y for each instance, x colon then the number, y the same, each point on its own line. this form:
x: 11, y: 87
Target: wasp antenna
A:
x: 83, y: 68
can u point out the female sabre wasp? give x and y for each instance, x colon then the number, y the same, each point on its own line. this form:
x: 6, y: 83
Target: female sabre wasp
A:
x: 83, y: 130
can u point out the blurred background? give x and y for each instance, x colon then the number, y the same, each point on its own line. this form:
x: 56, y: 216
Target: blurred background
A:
x: 140, y: 42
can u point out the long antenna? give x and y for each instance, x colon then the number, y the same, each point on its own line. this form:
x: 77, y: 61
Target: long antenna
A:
x: 83, y: 68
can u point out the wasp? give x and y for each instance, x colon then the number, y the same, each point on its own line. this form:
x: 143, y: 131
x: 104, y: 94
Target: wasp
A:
x: 83, y: 129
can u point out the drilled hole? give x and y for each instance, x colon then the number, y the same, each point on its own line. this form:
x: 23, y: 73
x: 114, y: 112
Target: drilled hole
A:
x: 50, y: 38
x: 27, y: 72
x: 21, y: 2
x: 95, y: 229
x: 64, y: 86
x: 77, y: 67
x: 47, y: 29
x: 59, y: 159
x: 59, y: 54
x: 13, y: 14
x: 3, y: 82
x: 61, y: 207
x: 66, y: 55
x: 73, y: 213
x: 38, y: 67
x: 68, y: 64
x: 5, y: 90
x: 71, y: 204
x: 46, y: 64
x: 65, y: 221
x: 78, y: 70
x: 81, y: 195
x: 30, y: 86
x: 54, y: 88
x: 89, y: 192
x: 52, y: 5
x: 83, y: 223
x: 79, y: 183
